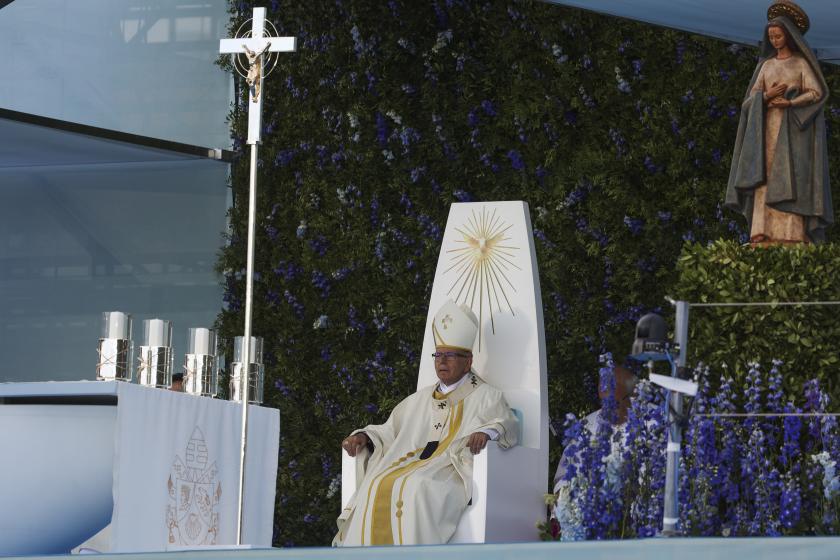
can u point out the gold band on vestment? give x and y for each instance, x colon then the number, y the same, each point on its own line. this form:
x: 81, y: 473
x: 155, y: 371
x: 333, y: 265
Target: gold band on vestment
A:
x: 381, y: 532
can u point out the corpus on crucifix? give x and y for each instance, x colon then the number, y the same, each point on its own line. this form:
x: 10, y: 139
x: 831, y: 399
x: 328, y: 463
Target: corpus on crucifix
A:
x: 254, y: 77
x: 260, y: 49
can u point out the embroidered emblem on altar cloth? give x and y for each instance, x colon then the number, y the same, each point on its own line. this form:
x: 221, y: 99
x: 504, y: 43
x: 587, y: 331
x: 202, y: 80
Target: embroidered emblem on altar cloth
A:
x: 192, y: 516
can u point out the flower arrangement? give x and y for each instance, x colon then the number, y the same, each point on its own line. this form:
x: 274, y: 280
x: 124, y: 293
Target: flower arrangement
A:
x: 752, y: 464
x: 389, y: 112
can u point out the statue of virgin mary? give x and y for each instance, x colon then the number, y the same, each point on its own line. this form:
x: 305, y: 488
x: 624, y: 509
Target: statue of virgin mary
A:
x: 779, y: 175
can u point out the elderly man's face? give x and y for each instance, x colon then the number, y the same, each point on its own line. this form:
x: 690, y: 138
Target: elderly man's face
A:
x: 453, y: 365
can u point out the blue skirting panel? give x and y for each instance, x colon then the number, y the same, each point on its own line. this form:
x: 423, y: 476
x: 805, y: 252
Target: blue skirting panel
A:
x: 787, y: 548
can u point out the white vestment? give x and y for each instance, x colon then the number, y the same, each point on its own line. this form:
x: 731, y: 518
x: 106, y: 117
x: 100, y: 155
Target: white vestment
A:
x: 402, y: 498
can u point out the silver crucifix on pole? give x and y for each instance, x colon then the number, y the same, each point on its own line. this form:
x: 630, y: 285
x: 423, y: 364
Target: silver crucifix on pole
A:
x: 259, y: 46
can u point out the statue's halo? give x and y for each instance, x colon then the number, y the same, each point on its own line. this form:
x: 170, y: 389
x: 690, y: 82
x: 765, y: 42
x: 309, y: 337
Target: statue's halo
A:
x: 792, y: 11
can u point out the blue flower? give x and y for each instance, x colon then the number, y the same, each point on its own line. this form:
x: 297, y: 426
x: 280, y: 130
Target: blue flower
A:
x: 417, y: 173
x: 321, y: 282
x: 635, y: 225
x: 381, y: 129
x: 354, y: 322
x: 651, y: 166
x: 319, y: 245
x: 472, y: 119
x: 462, y: 196
x: 284, y: 157
x: 516, y: 160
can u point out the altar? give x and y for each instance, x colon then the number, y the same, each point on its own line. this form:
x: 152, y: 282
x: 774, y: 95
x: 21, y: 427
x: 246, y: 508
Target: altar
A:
x: 146, y: 469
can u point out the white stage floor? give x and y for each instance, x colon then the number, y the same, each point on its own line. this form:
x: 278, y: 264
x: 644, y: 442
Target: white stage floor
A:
x: 785, y: 548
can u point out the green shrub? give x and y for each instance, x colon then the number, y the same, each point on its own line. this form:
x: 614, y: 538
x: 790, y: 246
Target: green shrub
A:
x: 805, y: 338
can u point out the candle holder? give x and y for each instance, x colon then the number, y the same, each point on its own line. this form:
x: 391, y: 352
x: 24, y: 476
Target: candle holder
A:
x: 115, y: 347
x: 154, y: 368
x: 256, y: 371
x: 201, y: 372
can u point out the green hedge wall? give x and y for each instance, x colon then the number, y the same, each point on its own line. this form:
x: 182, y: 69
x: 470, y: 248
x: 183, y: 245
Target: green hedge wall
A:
x: 805, y: 338
x: 617, y: 134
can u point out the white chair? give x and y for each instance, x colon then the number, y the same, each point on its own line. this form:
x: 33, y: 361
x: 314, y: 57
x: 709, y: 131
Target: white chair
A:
x: 487, y: 261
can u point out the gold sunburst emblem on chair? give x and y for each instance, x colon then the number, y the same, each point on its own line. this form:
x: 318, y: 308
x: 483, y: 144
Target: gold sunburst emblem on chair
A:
x: 482, y: 263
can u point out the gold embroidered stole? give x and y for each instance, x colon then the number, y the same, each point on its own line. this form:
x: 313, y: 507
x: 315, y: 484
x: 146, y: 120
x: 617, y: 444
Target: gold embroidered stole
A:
x: 447, y: 415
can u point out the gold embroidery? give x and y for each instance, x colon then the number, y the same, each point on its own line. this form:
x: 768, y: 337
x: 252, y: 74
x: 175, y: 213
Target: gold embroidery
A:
x: 381, y: 530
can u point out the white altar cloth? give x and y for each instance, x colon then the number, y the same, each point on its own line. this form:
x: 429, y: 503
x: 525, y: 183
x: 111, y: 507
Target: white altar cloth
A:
x: 161, y: 467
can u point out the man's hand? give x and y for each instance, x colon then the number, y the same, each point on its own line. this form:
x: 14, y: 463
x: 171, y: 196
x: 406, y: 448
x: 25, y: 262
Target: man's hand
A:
x: 353, y: 444
x: 477, y: 441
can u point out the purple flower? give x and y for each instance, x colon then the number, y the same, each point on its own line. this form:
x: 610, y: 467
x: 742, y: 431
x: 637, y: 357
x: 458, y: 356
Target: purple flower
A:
x: 319, y: 245
x: 286, y: 270
x: 651, y: 166
x: 296, y: 306
x: 381, y: 129
x: 284, y: 157
x: 284, y: 390
x: 409, y: 136
x: 417, y: 173
x: 516, y: 160
x: 539, y: 234
x: 675, y: 127
x: 618, y: 140
x: 635, y: 225
x: 354, y: 322
x: 462, y: 196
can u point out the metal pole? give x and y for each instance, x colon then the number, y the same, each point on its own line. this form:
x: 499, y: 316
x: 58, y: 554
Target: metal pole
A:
x: 671, y: 512
x: 246, y: 350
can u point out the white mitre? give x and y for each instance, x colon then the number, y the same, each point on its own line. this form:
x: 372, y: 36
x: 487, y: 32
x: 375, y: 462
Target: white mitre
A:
x: 455, y: 326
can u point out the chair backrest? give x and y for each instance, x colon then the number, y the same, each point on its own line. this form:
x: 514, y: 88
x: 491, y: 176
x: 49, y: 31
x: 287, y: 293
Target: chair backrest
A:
x: 487, y: 261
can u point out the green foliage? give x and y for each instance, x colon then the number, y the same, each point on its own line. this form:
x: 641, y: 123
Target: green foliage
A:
x: 804, y: 337
x: 617, y: 134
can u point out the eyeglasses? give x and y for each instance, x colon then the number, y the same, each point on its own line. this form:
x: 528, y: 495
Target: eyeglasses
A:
x: 441, y: 356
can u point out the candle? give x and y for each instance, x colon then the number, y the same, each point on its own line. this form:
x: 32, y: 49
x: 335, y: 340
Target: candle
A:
x: 256, y: 349
x: 202, y: 341
x: 116, y: 324
x: 158, y: 332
